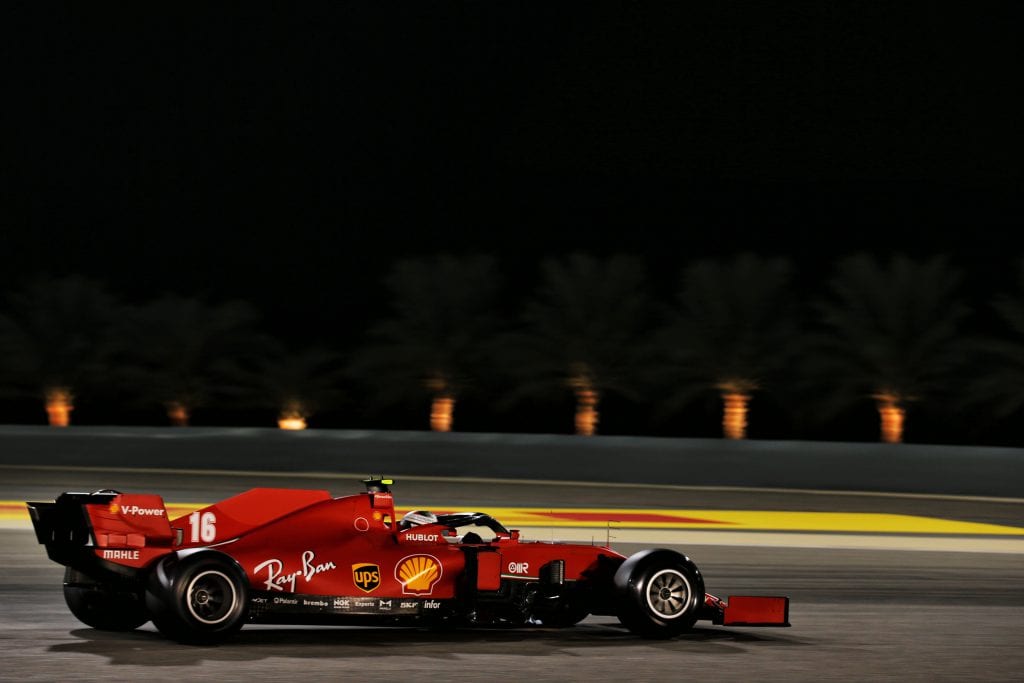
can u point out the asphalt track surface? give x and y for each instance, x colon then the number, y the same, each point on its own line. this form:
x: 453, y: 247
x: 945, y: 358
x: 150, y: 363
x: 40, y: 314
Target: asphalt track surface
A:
x: 877, y: 612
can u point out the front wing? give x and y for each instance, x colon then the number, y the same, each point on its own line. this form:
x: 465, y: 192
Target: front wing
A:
x: 747, y: 610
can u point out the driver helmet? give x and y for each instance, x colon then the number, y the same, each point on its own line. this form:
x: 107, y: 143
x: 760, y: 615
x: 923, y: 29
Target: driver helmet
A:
x: 416, y: 518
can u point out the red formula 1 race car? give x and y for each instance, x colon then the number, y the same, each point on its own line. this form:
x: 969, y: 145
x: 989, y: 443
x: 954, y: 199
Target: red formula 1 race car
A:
x: 302, y: 557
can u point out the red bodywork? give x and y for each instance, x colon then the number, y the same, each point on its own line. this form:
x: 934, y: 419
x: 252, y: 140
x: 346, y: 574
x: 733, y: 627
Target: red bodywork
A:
x: 304, y: 552
x: 299, y: 541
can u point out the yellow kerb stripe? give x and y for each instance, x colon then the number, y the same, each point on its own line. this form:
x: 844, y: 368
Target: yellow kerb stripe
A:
x: 748, y: 520
x: 719, y: 520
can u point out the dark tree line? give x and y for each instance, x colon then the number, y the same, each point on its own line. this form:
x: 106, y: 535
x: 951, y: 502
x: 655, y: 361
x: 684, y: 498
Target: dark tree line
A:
x: 890, y: 335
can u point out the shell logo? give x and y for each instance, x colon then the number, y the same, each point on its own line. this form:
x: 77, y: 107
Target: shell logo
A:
x: 113, y: 508
x: 418, y: 574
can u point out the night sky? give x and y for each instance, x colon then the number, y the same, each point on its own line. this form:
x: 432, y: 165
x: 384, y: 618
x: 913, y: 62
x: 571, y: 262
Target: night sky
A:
x: 289, y: 155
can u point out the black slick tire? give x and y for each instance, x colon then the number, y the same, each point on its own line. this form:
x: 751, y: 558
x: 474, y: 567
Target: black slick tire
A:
x: 198, y: 598
x: 659, y: 593
x: 104, y: 606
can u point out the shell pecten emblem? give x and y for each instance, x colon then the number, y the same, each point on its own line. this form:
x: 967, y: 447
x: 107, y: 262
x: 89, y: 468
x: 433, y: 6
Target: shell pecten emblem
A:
x: 418, y: 574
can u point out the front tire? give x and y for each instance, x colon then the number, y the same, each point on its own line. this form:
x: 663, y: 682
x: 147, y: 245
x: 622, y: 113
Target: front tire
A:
x: 565, y: 610
x: 103, y: 606
x: 200, y: 598
x: 563, y: 616
x: 659, y: 593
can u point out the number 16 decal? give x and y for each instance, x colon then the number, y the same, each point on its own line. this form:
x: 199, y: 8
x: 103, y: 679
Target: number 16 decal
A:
x: 204, y: 527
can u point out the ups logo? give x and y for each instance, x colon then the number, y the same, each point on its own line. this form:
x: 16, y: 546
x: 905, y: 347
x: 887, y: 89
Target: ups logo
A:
x: 366, y: 576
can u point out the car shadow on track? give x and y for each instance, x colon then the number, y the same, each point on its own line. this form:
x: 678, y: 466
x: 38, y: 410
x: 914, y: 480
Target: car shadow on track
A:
x: 148, y: 648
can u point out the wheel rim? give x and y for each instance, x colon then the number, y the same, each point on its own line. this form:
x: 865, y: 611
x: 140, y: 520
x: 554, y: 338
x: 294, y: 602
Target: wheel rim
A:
x: 668, y: 594
x: 211, y: 597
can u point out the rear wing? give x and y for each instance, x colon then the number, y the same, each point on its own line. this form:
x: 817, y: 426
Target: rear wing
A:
x: 82, y: 530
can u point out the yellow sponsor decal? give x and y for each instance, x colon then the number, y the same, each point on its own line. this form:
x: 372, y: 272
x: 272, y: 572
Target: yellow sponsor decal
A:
x: 366, y: 576
x: 418, y: 574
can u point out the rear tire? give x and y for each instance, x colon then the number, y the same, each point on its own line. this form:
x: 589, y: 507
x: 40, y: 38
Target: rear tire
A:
x: 659, y: 593
x: 103, y: 606
x: 201, y: 598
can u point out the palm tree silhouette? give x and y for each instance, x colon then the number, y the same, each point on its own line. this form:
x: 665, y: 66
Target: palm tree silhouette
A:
x: 889, y: 333
x: 56, y: 341
x: 582, y: 331
x: 437, y: 339
x: 999, y: 384
x: 732, y: 331
x: 298, y: 383
x: 186, y: 354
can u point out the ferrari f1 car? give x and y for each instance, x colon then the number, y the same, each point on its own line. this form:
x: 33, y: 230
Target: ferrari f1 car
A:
x: 301, y: 556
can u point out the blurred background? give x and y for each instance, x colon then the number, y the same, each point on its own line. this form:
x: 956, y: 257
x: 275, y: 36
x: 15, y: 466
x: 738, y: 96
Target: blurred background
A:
x: 770, y: 221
